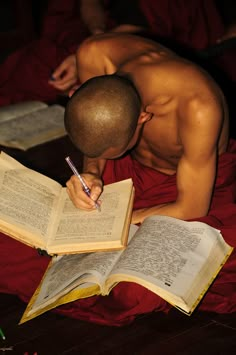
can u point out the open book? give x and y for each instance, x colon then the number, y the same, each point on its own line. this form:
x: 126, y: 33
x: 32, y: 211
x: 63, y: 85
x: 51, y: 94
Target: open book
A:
x: 175, y: 259
x: 37, y: 211
x: 30, y: 123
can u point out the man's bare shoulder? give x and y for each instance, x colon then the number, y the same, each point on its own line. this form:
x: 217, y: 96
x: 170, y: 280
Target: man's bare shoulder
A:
x: 180, y: 70
x: 119, y: 47
x: 203, y: 114
x: 93, y: 58
x: 105, y: 42
x: 119, y: 39
x: 175, y: 76
x: 185, y: 92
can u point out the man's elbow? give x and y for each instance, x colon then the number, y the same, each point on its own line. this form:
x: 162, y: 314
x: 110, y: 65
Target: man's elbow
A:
x: 86, y: 49
x: 187, y: 212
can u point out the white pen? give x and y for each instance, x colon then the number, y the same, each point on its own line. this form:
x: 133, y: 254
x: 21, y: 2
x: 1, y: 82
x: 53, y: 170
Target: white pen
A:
x: 85, y: 187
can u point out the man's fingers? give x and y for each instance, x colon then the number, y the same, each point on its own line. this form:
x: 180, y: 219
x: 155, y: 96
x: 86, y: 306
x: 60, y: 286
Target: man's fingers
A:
x: 77, y: 195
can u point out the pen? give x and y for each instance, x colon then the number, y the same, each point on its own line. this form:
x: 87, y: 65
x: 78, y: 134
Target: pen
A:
x: 85, y: 187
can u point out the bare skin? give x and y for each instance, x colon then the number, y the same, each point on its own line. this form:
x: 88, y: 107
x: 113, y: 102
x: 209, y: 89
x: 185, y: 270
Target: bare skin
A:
x: 93, y: 14
x: 182, y: 127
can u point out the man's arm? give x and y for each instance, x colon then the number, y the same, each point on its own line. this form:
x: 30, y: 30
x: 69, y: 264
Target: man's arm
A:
x: 92, y: 58
x: 92, y: 12
x: 65, y: 75
x: 106, y: 53
x: 199, y: 128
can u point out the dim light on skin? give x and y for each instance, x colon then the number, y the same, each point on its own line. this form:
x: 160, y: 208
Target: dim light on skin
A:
x: 112, y: 153
x: 116, y: 152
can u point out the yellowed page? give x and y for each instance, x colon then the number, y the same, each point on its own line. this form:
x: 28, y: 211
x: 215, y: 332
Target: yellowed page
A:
x: 32, y: 212
x: 65, y: 273
x: 82, y: 291
x: 81, y: 231
x: 71, y: 277
x: 28, y: 202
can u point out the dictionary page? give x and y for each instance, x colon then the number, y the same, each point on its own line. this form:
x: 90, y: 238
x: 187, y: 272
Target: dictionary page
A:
x: 28, y: 202
x: 175, y: 259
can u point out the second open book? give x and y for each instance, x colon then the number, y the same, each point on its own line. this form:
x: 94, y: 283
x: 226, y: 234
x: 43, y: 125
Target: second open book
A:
x: 30, y: 123
x: 177, y: 260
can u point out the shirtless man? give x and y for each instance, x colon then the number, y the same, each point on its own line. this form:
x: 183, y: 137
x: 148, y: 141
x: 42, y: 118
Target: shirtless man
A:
x: 170, y: 115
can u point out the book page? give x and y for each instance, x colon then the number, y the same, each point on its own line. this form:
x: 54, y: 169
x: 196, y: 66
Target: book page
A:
x: 33, y: 310
x: 105, y: 228
x: 28, y: 200
x: 9, y: 112
x: 68, y: 272
x: 169, y: 253
x: 33, y: 128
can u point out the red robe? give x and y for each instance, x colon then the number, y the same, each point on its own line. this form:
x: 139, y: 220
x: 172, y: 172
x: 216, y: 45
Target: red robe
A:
x: 24, y: 74
x: 21, y: 268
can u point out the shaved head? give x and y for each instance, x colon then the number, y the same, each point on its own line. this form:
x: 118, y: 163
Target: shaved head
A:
x: 103, y: 113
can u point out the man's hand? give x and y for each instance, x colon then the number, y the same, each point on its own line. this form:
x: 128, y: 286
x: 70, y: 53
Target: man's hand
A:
x: 77, y: 194
x: 65, y: 75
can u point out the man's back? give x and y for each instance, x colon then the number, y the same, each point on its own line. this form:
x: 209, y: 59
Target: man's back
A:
x: 175, y: 91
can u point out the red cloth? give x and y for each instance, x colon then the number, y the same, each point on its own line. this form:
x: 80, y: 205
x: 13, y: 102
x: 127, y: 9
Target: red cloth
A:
x: 21, y: 268
x: 195, y: 24
x: 24, y: 74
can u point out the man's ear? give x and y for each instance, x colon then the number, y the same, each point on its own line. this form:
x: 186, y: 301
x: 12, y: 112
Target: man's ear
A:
x: 144, y: 117
x: 72, y: 90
